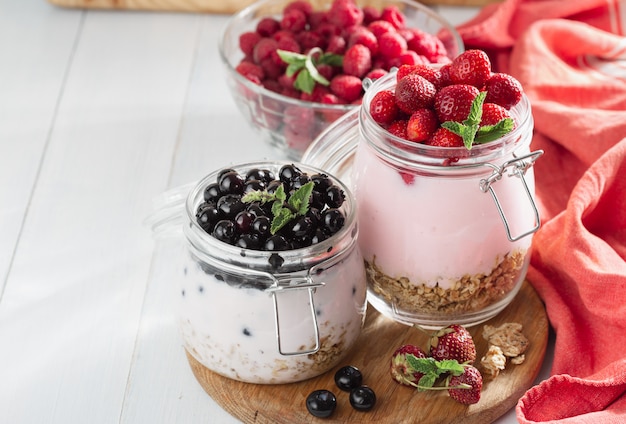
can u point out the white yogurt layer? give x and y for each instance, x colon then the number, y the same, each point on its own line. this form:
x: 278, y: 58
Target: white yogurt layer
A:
x: 436, y: 229
x: 231, y: 329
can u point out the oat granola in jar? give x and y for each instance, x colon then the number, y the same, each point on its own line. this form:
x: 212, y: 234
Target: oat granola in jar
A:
x: 271, y: 304
x: 445, y: 231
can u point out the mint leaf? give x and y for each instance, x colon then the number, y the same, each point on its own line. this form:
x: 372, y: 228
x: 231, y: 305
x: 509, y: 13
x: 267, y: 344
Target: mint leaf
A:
x: 451, y: 366
x: 299, y: 200
x: 279, y: 193
x: 488, y: 133
x: 315, y: 75
x: 281, y: 218
x: 476, y: 110
x: 304, y: 81
x: 292, y: 58
x: 331, y: 59
x: 258, y: 196
x: 422, y: 365
x: 427, y: 381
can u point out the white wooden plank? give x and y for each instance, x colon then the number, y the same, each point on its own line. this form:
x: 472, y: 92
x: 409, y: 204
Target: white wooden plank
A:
x: 36, y: 44
x: 162, y: 388
x: 80, y: 271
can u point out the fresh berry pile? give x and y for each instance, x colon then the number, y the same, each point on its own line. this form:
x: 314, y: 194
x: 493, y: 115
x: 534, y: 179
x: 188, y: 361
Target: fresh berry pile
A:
x: 322, y: 403
x: 448, y: 361
x: 460, y: 104
x: 261, y: 211
x: 323, y: 56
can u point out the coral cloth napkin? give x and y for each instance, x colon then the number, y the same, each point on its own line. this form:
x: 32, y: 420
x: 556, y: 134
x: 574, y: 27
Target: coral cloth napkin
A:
x: 570, y: 56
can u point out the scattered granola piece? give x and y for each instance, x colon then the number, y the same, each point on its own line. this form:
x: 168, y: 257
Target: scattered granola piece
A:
x: 518, y: 359
x: 494, y: 361
x: 507, y: 337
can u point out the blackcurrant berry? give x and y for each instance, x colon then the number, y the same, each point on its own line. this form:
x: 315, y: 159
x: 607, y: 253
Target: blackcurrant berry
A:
x: 273, y: 185
x: 264, y: 175
x: 212, y: 193
x: 299, y: 181
x: 230, y: 205
x: 301, y: 227
x: 231, y: 183
x: 225, y: 231
x: 244, y: 220
x: 207, y: 216
x: 334, y: 196
x: 253, y: 185
x: 348, y: 378
x: 248, y: 241
x: 362, y: 398
x: 332, y: 220
x: 288, y: 172
x: 321, y: 403
x: 276, y: 243
x: 321, y: 181
x: 261, y: 226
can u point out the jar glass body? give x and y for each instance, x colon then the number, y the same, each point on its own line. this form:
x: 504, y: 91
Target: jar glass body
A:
x: 249, y: 319
x: 445, y: 232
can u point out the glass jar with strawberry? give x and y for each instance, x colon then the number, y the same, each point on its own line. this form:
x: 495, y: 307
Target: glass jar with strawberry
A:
x: 445, y: 191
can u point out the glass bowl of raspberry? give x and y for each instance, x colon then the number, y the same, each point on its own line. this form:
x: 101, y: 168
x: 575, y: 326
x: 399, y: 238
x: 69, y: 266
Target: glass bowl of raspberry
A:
x: 295, y: 66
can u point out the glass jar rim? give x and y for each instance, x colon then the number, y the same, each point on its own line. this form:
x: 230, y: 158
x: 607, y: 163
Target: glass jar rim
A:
x: 419, y: 155
x: 294, y: 259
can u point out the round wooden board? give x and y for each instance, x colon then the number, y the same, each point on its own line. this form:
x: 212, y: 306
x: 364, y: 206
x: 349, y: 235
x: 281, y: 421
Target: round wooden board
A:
x: 252, y: 403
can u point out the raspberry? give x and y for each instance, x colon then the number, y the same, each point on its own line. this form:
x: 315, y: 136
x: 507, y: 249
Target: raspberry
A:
x: 309, y: 40
x: 391, y: 44
x: 414, y: 92
x: 357, y: 61
x: 251, y: 71
x: 301, y: 5
x: 288, y: 43
x: 503, y: 89
x: 383, y: 107
x: 445, y: 138
x: 427, y: 45
x: 376, y: 73
x: 365, y: 37
x: 247, y: 41
x: 422, y: 125
x: 345, y: 13
x: 380, y: 27
x: 336, y: 45
x: 394, y: 16
x: 293, y: 20
x: 408, y: 57
x: 370, y: 14
x: 271, y: 69
x: 453, y: 102
x: 472, y: 67
x: 267, y: 26
x: 264, y: 49
x: 493, y: 113
x: 347, y: 87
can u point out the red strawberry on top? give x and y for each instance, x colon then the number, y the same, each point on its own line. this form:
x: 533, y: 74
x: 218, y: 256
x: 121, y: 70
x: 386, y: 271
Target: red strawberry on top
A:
x: 471, y: 67
x: 414, y: 92
x: 422, y: 125
x: 431, y: 74
x: 445, y: 138
x: 504, y: 90
x: 493, y: 113
x: 453, y: 342
x: 472, y: 378
x: 383, y: 107
x: 400, y: 369
x: 454, y: 102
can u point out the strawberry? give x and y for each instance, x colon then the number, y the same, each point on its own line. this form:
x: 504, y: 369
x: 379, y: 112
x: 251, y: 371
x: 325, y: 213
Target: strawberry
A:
x: 454, y: 102
x: 431, y: 74
x: 493, y: 113
x: 472, y: 67
x: 357, y: 61
x: 470, y: 377
x: 422, y: 125
x: 398, y: 128
x: 400, y: 369
x: 453, y: 342
x: 383, y: 107
x: 445, y: 138
x: 414, y: 92
x: 504, y: 90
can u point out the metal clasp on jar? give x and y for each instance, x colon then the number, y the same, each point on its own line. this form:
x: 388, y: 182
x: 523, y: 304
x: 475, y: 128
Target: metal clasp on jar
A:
x: 516, y: 167
x: 286, y: 284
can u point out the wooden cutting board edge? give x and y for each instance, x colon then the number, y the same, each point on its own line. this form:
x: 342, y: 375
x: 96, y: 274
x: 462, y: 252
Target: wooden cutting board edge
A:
x: 204, y: 6
x: 254, y: 403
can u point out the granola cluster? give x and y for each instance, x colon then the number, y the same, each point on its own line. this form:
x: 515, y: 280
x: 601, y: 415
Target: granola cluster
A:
x: 468, y: 294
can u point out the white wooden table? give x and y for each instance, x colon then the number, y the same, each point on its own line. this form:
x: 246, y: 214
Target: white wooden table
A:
x: 100, y: 111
